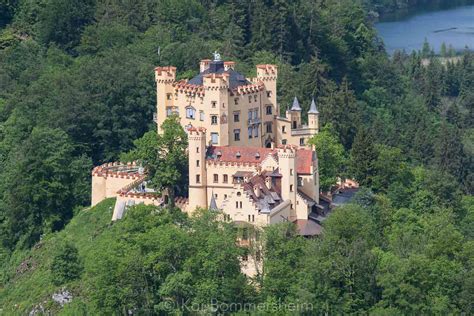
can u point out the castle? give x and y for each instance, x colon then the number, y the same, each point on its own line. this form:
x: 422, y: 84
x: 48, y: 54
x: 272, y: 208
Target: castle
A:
x: 234, y: 110
x: 244, y: 158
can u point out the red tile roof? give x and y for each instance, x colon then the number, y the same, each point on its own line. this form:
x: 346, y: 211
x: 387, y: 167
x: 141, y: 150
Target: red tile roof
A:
x: 304, y: 157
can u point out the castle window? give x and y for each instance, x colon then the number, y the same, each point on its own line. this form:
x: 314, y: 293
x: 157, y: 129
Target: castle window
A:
x: 197, y: 150
x: 190, y: 112
x: 236, y: 117
x: 269, y: 109
x: 169, y: 111
x: 236, y: 135
x: 214, y: 119
x: 291, y: 187
x: 250, y: 115
x: 236, y: 101
x: 213, y: 104
x: 294, y: 125
x: 214, y: 138
x: 240, y: 204
x: 283, y: 129
x: 226, y: 178
x: 283, y: 141
x: 201, y: 115
x: 300, y: 181
x: 168, y: 96
x: 302, y: 141
x: 291, y: 172
x: 249, y: 217
x: 250, y: 99
x: 198, y: 178
x: 239, y: 194
x: 255, y: 131
x: 225, y: 196
x: 255, y: 98
x: 269, y: 127
x: 269, y: 94
x: 197, y: 163
x: 250, y: 131
x: 253, y: 218
x: 216, y: 178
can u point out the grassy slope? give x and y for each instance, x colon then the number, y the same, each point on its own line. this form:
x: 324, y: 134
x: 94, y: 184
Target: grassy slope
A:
x: 23, y: 290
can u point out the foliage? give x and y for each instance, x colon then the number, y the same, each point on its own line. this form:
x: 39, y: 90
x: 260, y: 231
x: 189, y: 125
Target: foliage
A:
x: 165, y: 157
x: 76, y: 90
x: 66, y: 265
x: 331, y: 157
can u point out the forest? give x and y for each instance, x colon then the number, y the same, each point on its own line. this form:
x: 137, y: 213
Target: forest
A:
x: 77, y: 90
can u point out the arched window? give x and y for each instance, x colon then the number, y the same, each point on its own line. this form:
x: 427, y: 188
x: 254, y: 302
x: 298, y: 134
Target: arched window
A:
x: 214, y: 120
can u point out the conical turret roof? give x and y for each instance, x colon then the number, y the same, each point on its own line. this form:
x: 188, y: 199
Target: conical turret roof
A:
x: 296, y: 105
x: 213, y: 204
x: 313, y: 109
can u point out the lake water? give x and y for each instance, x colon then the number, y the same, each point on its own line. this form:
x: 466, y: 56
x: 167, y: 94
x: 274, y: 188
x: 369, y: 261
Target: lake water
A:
x: 453, y: 26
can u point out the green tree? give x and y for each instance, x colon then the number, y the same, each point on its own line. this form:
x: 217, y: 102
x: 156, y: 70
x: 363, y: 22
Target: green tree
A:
x: 165, y: 158
x: 66, y: 265
x: 331, y: 157
x: 363, y: 157
x: 39, y: 184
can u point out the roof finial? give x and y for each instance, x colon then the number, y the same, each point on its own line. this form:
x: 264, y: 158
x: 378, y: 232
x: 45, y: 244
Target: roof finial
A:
x: 217, y: 56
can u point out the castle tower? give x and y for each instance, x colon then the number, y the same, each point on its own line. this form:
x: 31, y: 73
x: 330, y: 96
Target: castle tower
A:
x: 294, y: 114
x: 313, y: 117
x: 216, y: 97
x: 164, y: 77
x: 197, y: 168
x: 287, y: 165
x: 268, y: 74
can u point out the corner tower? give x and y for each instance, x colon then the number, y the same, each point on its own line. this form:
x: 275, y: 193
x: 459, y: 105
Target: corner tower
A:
x: 287, y: 165
x: 164, y: 77
x: 197, y: 168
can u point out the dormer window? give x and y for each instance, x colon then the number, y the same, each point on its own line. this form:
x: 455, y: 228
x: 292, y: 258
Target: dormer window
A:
x: 237, y: 154
x: 257, y: 156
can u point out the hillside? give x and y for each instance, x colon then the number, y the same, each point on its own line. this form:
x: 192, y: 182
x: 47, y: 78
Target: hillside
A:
x: 77, y: 90
x: 26, y: 278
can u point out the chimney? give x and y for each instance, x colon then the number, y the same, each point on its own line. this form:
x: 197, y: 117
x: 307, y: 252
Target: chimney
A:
x: 229, y: 65
x: 204, y: 65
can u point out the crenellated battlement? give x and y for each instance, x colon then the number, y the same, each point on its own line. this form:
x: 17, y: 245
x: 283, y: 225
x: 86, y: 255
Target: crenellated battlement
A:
x: 128, y: 170
x: 184, y: 87
x: 251, y: 88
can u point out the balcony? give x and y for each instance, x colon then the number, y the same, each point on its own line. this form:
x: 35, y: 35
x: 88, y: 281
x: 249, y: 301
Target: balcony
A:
x: 253, y: 121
